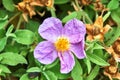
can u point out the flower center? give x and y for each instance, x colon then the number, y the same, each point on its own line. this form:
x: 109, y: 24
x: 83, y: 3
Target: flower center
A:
x: 62, y: 44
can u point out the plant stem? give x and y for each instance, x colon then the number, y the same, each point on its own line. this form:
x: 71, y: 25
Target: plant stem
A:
x: 8, y: 77
x: 52, y: 10
x: 83, y: 12
x: 18, y: 26
x: 87, y: 17
x: 12, y: 18
x: 76, y: 2
x: 19, y: 22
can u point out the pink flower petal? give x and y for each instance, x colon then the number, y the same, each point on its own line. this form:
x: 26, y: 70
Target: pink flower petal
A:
x: 45, y: 52
x: 50, y: 29
x: 78, y: 49
x: 75, y: 30
x: 67, y: 61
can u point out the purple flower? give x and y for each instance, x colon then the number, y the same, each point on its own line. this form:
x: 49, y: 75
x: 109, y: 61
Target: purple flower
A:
x: 61, y: 42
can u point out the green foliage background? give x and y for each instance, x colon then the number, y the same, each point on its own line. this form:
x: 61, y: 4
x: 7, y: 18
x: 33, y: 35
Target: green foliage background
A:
x: 19, y: 38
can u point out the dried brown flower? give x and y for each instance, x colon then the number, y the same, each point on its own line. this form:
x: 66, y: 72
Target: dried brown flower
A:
x: 48, y: 3
x: 96, y: 30
x: 111, y: 22
x: 27, y: 6
x: 112, y: 70
x: 84, y: 2
x: 116, y: 46
x: 98, y: 5
x: 114, y: 50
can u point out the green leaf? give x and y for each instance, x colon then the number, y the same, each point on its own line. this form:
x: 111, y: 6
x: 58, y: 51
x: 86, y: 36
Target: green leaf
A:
x: 62, y: 76
x: 75, y: 14
x: 69, y: 17
x: 38, y: 63
x: 93, y: 73
x: 52, y: 65
x: 97, y: 60
x: 32, y: 24
x: 34, y: 69
x: 3, y: 42
x: 2, y: 33
x: 3, y: 22
x: 90, y: 45
x: 4, y: 18
x: 31, y: 59
x: 61, y: 1
x: 24, y: 36
x: 19, y: 72
x: 99, y: 52
x: 90, y: 13
x: 56, y: 70
x: 114, y: 36
x: 13, y: 48
x: 93, y: 46
x: 9, y: 5
x: 9, y: 30
x: 113, y: 4
x: 25, y: 77
x: 4, y: 69
x: 11, y: 35
x: 97, y: 46
x: 50, y: 75
x: 3, y: 74
x: 12, y: 59
x: 109, y: 34
x: 77, y: 71
x: 106, y: 16
x: 115, y: 16
x: 88, y: 63
x: 1, y: 58
x: 3, y: 13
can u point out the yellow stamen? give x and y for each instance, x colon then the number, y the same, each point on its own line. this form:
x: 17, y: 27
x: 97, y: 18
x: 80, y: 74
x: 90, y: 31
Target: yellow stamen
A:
x: 62, y: 44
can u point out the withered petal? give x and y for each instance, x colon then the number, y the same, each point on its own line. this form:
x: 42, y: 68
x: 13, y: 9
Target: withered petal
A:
x: 89, y: 28
x: 25, y: 17
x: 107, y: 74
x: 109, y: 49
x: 117, y: 76
x: 99, y: 37
x: 90, y: 38
x: 106, y: 28
x: 41, y: 13
x: 99, y: 22
x: 36, y: 4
